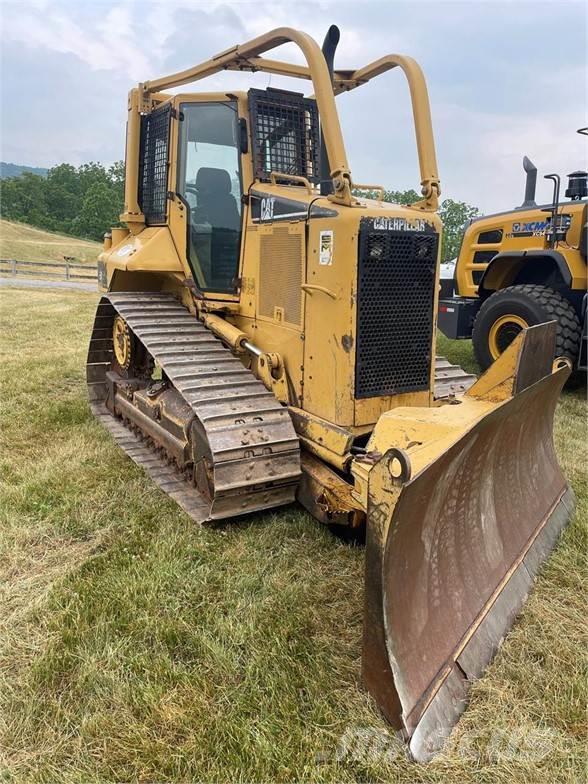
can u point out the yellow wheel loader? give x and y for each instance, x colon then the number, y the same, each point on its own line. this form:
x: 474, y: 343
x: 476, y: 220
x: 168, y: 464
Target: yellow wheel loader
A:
x: 524, y: 267
x: 265, y: 335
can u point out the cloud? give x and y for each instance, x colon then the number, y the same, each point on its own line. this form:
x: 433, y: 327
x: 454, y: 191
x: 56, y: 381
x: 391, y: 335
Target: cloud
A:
x: 505, y: 79
x: 109, y: 44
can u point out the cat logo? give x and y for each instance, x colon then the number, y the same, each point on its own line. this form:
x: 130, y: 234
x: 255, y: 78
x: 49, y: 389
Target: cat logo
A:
x: 400, y: 224
x: 267, y: 208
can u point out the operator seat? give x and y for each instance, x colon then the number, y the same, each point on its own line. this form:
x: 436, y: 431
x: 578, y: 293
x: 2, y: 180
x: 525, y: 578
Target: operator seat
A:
x: 217, y: 247
x: 216, y: 203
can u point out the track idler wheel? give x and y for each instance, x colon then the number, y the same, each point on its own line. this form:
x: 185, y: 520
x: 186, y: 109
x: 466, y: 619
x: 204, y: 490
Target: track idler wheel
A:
x: 131, y: 359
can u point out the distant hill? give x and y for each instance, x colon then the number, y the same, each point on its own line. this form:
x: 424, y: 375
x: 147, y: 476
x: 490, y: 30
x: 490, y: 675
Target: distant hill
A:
x: 15, y: 170
x: 27, y: 243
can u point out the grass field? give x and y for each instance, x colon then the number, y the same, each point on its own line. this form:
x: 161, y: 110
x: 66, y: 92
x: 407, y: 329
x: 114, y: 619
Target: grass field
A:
x: 26, y: 243
x: 136, y: 646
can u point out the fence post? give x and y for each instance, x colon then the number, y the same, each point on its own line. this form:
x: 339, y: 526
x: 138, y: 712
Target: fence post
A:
x: 67, y: 270
x: 14, y: 266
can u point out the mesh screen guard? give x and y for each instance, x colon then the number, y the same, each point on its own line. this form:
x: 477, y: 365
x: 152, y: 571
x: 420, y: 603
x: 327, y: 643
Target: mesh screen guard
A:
x: 285, y: 134
x: 153, y: 165
x: 395, y: 301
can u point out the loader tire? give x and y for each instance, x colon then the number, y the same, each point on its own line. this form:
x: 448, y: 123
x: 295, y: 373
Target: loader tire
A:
x: 505, y: 313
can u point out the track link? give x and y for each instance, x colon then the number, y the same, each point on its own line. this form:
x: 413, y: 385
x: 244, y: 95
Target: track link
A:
x: 253, y: 449
x: 451, y: 379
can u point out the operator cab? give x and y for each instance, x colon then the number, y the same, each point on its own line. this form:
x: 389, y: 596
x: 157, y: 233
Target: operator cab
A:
x: 283, y: 128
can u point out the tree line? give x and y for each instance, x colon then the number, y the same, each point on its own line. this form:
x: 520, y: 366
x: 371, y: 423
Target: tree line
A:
x: 86, y: 201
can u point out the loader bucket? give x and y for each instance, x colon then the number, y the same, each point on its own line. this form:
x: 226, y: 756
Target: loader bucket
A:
x: 453, y: 549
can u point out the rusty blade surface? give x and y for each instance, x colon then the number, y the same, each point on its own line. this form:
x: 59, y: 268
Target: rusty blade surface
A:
x: 454, y: 564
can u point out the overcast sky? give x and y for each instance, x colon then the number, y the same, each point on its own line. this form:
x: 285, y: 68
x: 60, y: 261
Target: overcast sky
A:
x: 506, y: 79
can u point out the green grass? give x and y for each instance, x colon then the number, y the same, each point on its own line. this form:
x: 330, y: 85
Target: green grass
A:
x: 136, y: 646
x: 27, y: 243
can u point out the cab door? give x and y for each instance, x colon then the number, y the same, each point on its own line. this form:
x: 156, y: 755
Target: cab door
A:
x: 209, y: 185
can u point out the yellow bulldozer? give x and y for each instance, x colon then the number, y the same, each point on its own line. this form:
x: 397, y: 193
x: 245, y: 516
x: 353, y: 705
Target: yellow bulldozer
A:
x: 267, y: 335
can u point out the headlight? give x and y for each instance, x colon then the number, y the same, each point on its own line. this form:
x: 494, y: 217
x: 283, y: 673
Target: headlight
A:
x: 376, y: 249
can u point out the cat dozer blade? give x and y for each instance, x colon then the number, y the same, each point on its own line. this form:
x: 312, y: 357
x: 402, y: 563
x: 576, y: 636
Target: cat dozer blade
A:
x: 462, y: 510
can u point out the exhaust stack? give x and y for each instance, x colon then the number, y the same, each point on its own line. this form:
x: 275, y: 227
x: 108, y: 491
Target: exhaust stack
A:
x: 530, y: 184
x: 329, y: 45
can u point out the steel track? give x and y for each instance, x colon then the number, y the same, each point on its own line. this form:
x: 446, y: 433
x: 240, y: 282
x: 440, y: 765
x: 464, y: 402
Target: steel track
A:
x: 254, y: 448
x: 451, y: 379
x: 255, y: 453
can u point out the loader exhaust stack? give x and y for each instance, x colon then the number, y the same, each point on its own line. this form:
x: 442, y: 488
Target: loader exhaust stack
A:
x: 530, y: 183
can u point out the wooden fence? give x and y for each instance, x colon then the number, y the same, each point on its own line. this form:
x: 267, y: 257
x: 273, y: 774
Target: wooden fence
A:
x: 66, y: 270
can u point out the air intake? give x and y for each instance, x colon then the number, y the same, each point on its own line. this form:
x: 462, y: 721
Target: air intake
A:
x: 577, y: 185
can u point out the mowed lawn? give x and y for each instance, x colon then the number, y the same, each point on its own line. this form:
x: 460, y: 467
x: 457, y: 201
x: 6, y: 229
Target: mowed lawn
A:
x: 137, y: 646
x: 27, y: 243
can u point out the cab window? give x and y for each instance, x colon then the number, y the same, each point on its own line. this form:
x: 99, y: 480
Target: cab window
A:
x: 209, y: 181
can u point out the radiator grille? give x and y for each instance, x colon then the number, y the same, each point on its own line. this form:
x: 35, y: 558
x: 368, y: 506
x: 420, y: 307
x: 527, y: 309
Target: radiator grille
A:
x: 153, y: 165
x: 280, y: 274
x: 285, y: 133
x: 395, y: 294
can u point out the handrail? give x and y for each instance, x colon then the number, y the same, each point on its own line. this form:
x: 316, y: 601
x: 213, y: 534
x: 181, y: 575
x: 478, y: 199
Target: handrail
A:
x: 296, y: 178
x: 379, y: 188
x: 310, y: 287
